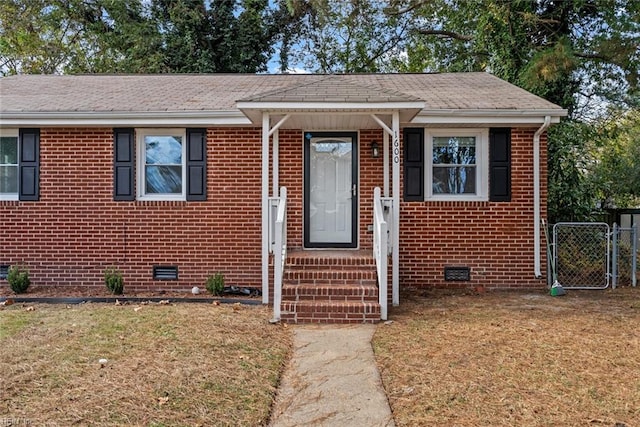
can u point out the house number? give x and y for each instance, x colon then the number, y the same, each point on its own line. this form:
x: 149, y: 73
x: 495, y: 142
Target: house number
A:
x: 396, y: 149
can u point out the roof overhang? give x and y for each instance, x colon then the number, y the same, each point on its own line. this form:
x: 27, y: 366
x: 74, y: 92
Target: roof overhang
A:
x: 253, y: 110
x: 488, y: 117
x: 123, y: 118
x: 303, y: 115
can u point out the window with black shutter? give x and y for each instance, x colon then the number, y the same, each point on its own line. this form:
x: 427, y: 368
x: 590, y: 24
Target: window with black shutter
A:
x: 123, y: 165
x: 413, y: 164
x: 29, y: 165
x: 196, y: 164
x: 500, y: 164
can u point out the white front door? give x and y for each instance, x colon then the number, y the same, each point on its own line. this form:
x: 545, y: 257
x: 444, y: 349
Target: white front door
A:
x: 331, y: 190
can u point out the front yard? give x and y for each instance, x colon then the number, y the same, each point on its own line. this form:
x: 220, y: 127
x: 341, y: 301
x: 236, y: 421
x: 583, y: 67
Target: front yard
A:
x: 506, y: 359
x: 490, y: 359
x: 166, y: 365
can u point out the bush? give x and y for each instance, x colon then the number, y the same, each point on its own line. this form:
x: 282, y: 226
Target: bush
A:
x: 215, y: 283
x: 114, y: 280
x: 18, y: 278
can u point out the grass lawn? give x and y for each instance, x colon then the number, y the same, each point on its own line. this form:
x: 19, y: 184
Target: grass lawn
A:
x: 513, y: 359
x: 167, y: 365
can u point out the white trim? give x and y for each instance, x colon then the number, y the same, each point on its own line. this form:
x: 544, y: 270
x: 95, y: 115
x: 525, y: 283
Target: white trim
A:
x: 482, y: 164
x: 266, y: 123
x: 11, y: 133
x: 488, y: 117
x: 140, y: 166
x: 125, y: 119
x: 329, y: 106
x: 237, y: 117
x: 396, y: 157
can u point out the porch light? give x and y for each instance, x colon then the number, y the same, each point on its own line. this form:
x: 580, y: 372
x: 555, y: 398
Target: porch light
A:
x: 375, y: 151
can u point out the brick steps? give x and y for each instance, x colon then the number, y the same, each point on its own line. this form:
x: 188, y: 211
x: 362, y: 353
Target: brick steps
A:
x: 330, y: 287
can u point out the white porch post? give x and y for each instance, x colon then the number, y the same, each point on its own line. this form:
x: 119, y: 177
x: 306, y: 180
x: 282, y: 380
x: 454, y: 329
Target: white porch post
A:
x: 275, y: 169
x: 395, y: 256
x: 385, y: 167
x: 265, y: 208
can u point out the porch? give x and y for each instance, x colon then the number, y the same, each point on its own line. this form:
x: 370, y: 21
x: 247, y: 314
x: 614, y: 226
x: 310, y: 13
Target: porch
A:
x: 331, y: 286
x: 331, y: 115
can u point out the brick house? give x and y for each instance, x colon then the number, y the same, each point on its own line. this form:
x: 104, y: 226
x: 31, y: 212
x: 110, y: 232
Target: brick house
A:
x: 174, y: 177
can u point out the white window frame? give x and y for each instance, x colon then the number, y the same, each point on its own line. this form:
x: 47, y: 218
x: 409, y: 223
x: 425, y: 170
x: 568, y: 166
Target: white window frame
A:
x: 482, y: 163
x: 141, y: 170
x: 12, y: 133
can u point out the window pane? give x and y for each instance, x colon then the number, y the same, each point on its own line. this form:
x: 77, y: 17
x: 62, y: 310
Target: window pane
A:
x: 163, y: 180
x: 454, y: 180
x: 9, y: 150
x: 8, y: 179
x: 163, y: 150
x: 454, y: 150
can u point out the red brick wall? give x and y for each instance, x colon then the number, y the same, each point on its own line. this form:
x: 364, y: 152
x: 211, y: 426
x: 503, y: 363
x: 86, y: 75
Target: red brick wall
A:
x: 76, y: 230
x: 494, y: 239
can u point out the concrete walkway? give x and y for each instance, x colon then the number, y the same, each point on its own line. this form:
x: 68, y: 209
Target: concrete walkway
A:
x: 332, y: 380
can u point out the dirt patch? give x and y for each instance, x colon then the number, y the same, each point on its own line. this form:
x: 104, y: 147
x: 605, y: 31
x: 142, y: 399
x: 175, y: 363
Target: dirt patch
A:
x: 164, y: 364
x: 102, y: 292
x: 509, y: 358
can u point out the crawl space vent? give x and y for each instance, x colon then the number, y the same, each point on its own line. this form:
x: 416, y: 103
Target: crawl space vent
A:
x: 165, y: 272
x: 457, y: 274
x: 4, y: 271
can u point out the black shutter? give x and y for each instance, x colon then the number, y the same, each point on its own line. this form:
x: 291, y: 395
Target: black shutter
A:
x: 500, y: 164
x: 123, y: 165
x: 414, y: 164
x: 196, y: 164
x: 29, y: 164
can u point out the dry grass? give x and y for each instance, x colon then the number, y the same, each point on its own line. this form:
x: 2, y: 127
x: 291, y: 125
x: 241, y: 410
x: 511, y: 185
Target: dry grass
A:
x: 188, y: 364
x: 504, y: 359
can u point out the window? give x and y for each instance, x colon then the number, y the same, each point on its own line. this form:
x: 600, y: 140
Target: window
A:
x: 9, y: 164
x: 161, y: 164
x: 456, y: 164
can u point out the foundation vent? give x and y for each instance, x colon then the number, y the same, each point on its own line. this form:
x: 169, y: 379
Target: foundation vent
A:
x: 165, y: 272
x: 4, y: 271
x: 457, y: 274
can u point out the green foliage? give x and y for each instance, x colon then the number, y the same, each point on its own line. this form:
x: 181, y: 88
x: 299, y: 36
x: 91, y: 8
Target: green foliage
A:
x: 215, y: 283
x: 140, y: 36
x: 18, y: 278
x: 114, y: 280
x: 338, y: 36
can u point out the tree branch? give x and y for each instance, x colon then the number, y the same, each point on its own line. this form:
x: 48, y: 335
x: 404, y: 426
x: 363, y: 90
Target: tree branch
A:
x: 449, y: 34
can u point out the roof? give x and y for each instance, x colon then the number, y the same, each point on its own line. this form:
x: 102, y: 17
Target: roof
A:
x: 218, y: 96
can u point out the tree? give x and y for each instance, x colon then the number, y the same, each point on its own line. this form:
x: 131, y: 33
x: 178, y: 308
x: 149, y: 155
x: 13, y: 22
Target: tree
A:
x: 352, y: 36
x: 615, y: 147
x: 140, y: 36
x: 581, y: 54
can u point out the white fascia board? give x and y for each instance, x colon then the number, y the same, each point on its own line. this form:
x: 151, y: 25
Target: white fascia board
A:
x: 123, y: 119
x: 520, y: 117
x: 336, y: 106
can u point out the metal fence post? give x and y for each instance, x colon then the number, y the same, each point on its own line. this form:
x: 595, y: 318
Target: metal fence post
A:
x: 614, y: 257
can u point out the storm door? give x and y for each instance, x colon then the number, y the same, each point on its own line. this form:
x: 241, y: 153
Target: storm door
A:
x: 330, y: 189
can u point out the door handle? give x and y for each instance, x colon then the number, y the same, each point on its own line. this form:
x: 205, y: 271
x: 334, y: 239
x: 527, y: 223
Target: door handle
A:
x: 354, y: 190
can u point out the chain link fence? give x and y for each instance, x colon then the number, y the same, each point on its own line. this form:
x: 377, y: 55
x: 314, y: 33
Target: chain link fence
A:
x: 581, y: 255
x: 593, y: 255
x: 624, y: 256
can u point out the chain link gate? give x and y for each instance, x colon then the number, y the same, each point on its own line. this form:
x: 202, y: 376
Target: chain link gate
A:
x: 581, y: 255
x: 624, y: 256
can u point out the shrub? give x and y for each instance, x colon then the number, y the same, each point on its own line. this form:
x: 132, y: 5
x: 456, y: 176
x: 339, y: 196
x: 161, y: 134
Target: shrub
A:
x: 215, y: 283
x: 18, y: 278
x: 114, y: 280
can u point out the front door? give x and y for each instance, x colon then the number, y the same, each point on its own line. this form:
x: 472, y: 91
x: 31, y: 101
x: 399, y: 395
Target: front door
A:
x: 330, y: 189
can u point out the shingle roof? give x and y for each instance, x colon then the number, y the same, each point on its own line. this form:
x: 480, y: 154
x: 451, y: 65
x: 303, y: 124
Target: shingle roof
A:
x: 220, y: 92
x: 333, y: 88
